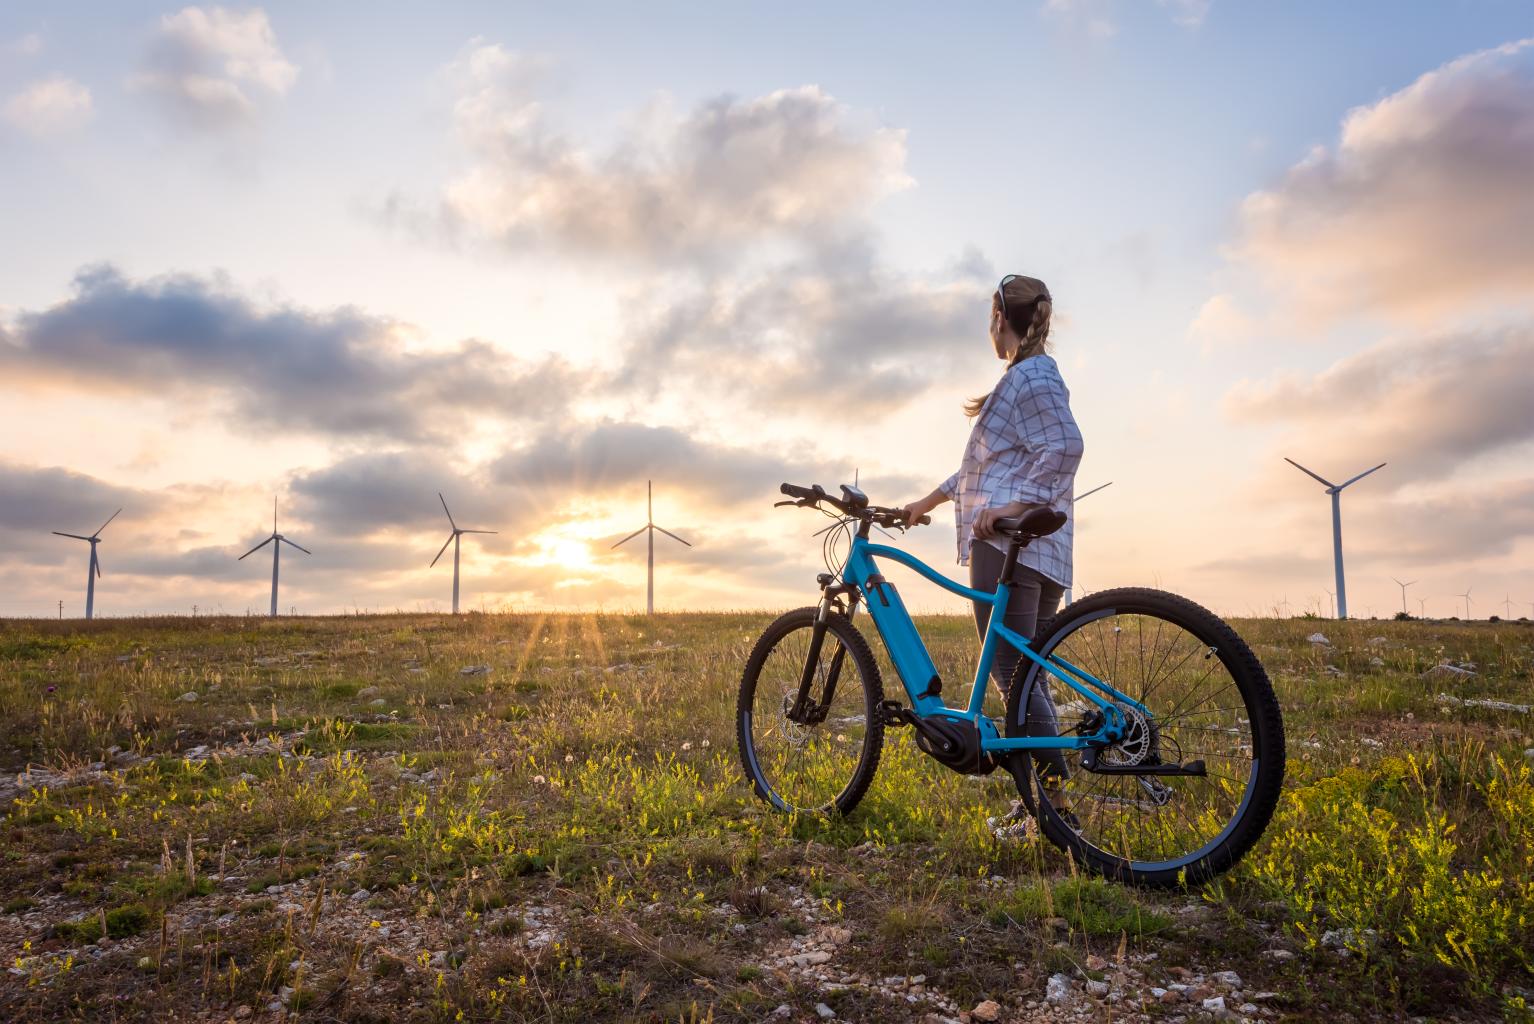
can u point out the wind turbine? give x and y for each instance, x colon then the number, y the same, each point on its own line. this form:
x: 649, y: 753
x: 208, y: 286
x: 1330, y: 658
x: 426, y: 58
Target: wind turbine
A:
x: 276, y: 540
x: 453, y: 540
x: 1507, y: 604
x: 1331, y: 600
x: 95, y: 567
x: 1421, y: 607
x: 1403, y: 587
x: 1466, y: 596
x: 651, y: 527
x: 1073, y: 502
x: 1335, y: 490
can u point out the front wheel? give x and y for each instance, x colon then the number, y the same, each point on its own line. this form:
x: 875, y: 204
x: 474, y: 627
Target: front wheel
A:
x: 1208, y: 700
x: 821, y: 756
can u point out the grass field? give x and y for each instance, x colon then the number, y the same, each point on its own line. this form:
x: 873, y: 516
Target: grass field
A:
x: 541, y: 817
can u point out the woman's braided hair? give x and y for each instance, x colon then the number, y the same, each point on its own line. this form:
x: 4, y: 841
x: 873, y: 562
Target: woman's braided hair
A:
x: 1028, y: 308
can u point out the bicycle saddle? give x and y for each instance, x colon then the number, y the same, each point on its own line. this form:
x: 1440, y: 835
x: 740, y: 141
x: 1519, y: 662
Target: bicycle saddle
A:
x: 1038, y: 522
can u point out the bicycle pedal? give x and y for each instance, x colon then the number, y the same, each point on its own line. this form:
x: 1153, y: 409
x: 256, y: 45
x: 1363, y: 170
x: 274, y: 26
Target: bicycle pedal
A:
x: 892, y: 712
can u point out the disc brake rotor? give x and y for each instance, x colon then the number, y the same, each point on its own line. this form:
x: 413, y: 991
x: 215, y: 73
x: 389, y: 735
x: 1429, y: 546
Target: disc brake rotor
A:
x: 1138, y: 744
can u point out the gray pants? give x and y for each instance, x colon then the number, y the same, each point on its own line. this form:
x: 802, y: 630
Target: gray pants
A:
x: 1034, y: 599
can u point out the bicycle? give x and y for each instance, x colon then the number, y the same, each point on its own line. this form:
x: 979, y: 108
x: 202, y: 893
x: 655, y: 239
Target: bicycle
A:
x: 1157, y: 798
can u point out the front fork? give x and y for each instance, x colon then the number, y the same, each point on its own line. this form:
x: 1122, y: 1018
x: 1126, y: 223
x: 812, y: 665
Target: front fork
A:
x: 805, y: 710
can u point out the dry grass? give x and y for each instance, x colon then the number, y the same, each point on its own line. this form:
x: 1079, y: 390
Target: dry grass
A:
x: 369, y: 833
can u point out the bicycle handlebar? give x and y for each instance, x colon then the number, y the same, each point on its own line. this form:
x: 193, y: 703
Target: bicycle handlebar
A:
x: 879, y: 514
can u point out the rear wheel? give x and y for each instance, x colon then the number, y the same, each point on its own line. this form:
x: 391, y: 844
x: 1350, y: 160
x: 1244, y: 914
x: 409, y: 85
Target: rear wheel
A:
x: 1208, y: 699
x: 824, y: 761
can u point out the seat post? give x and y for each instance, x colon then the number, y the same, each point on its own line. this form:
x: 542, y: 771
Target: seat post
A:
x: 1008, y: 566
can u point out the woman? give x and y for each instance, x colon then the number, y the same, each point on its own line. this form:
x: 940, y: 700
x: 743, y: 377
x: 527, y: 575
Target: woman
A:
x: 1022, y: 454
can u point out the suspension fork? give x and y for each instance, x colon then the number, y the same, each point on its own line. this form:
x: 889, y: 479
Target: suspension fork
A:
x: 806, y: 711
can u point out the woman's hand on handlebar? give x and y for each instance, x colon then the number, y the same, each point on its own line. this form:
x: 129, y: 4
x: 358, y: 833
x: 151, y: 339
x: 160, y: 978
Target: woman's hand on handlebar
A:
x: 916, y: 509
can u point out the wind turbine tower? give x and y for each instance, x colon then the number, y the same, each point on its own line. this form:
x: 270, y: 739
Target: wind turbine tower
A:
x: 94, y: 570
x: 1403, y: 587
x: 276, y: 540
x: 1335, y: 490
x: 453, y: 540
x: 651, y: 528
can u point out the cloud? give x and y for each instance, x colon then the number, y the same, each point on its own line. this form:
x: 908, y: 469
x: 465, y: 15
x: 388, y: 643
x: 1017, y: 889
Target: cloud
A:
x: 35, y: 498
x: 1091, y: 16
x: 29, y: 45
x: 588, y: 458
x: 1187, y: 13
x: 211, y: 67
x: 1427, y: 405
x: 729, y: 174
x: 50, y: 106
x: 1221, y: 320
x: 1458, y: 526
x: 1422, y: 207
x: 340, y: 372
x: 778, y: 338
x: 525, y: 487
x: 374, y: 491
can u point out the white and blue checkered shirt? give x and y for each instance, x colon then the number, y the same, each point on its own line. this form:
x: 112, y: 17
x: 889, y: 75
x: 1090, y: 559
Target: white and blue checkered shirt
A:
x: 1024, y: 447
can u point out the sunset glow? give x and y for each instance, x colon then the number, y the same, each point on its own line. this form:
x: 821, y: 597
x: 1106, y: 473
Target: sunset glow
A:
x: 254, y: 253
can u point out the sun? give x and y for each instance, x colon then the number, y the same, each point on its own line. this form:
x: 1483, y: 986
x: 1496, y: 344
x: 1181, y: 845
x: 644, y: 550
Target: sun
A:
x: 569, y: 552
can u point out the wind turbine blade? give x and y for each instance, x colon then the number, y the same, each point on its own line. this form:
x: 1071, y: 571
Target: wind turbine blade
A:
x: 631, y: 536
x: 1361, y: 476
x: 298, y: 546
x: 95, y: 563
x: 444, y: 548
x: 76, y: 536
x: 672, y: 535
x: 1307, y: 472
x: 445, y: 509
x: 479, y: 531
x: 258, y: 547
x: 1092, y: 491
x: 109, y: 521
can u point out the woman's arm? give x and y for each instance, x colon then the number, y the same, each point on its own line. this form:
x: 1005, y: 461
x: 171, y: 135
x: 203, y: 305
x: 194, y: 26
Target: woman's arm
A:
x: 943, y: 492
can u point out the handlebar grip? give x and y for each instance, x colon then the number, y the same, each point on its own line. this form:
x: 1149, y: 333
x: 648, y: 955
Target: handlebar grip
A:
x: 795, y: 491
x: 924, y: 520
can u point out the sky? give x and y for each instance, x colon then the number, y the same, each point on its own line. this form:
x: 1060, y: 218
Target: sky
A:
x: 532, y: 256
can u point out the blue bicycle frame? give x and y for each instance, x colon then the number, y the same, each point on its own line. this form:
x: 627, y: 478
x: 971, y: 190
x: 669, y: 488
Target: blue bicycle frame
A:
x: 917, y: 671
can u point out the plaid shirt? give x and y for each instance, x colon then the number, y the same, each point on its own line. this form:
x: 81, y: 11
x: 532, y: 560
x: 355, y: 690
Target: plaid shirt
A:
x: 1024, y: 447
